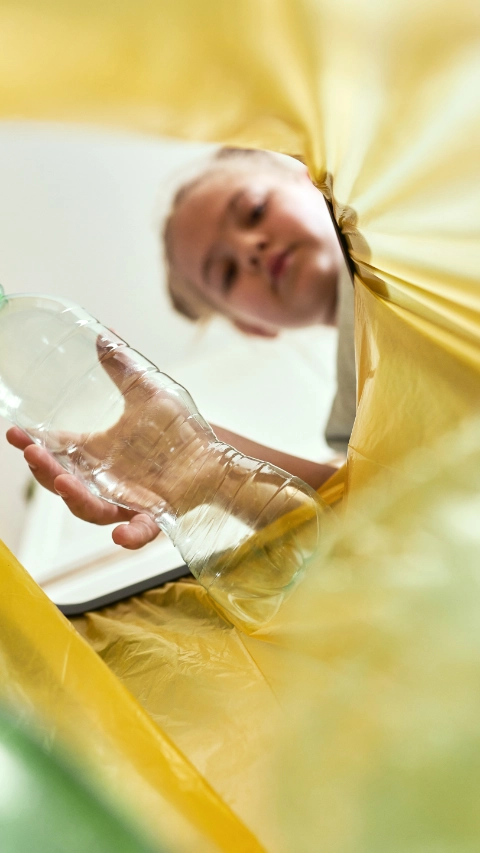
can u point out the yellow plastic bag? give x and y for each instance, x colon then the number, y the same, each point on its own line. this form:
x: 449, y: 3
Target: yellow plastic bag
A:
x: 54, y: 680
x: 382, y: 689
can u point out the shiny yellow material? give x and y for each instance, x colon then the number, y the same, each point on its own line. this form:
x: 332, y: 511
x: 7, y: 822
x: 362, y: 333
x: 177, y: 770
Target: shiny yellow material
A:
x: 194, y: 674
x: 381, y: 99
x: 333, y: 489
x: 382, y: 748
x: 50, y: 674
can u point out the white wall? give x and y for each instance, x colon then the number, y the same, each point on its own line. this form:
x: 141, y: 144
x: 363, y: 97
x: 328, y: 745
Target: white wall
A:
x: 79, y: 217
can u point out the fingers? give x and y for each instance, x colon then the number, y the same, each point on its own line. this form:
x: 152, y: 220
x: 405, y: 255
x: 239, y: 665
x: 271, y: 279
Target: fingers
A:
x: 43, y: 466
x: 137, y: 533
x: 122, y: 364
x: 138, y: 379
x: 86, y: 506
x: 17, y: 438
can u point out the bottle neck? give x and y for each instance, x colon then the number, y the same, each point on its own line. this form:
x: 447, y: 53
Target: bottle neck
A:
x: 225, y: 500
x: 204, y: 473
x: 247, y: 531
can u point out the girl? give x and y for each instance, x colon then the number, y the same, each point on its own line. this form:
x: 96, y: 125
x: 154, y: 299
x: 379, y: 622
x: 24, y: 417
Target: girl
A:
x: 251, y: 238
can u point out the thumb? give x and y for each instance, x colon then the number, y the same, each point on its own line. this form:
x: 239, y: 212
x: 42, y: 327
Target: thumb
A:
x: 124, y: 366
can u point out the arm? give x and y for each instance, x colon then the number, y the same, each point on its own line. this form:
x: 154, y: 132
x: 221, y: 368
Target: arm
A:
x: 135, y: 530
x: 313, y: 473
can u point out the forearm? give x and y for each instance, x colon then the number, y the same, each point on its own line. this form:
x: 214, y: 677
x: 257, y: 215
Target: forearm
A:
x: 313, y: 473
x: 212, y: 473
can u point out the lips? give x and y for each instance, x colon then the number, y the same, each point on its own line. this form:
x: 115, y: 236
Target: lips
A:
x: 277, y: 265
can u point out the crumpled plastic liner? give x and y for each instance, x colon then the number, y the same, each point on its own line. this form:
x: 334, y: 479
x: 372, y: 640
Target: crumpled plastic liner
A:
x: 193, y: 673
x: 54, y: 681
x: 382, y: 747
x: 381, y: 101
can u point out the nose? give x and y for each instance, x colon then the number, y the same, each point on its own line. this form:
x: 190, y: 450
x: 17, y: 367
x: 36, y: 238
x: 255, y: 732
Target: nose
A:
x: 250, y: 249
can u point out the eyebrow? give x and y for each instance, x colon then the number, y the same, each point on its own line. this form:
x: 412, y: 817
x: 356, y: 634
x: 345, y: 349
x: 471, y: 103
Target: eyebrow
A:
x: 209, y: 259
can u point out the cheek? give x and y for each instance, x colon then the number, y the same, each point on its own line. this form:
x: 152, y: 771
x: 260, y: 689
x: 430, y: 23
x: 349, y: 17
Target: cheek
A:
x: 291, y: 221
x: 302, y: 210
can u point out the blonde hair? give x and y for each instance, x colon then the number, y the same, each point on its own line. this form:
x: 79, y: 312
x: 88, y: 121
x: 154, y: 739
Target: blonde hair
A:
x: 185, y: 297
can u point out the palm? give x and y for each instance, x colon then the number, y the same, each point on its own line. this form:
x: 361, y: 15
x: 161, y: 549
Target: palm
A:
x: 146, y: 458
x: 152, y: 428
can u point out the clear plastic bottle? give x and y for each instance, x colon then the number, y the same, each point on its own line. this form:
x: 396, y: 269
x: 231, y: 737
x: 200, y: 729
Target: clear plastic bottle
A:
x: 134, y: 437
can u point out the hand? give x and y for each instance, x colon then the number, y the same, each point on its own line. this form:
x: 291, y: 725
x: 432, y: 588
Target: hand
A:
x: 136, y: 530
x: 148, y: 458
x: 138, y: 446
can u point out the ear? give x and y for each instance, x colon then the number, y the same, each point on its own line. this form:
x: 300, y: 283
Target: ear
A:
x: 251, y: 329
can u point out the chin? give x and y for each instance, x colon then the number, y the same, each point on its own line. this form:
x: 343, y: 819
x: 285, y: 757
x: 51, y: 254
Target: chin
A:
x: 306, y: 309
x: 302, y: 319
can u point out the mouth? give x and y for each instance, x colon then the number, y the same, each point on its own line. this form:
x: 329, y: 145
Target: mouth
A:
x: 277, y: 266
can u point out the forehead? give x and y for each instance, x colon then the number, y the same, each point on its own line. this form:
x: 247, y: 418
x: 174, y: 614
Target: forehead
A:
x: 199, y: 217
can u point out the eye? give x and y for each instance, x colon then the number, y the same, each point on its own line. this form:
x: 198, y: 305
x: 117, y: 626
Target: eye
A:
x: 256, y: 213
x: 229, y: 276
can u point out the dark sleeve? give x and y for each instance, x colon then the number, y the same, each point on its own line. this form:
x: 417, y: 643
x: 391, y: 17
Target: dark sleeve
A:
x: 342, y: 415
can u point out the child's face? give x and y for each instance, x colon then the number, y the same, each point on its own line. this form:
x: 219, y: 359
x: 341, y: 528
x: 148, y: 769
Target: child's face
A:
x: 261, y: 246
